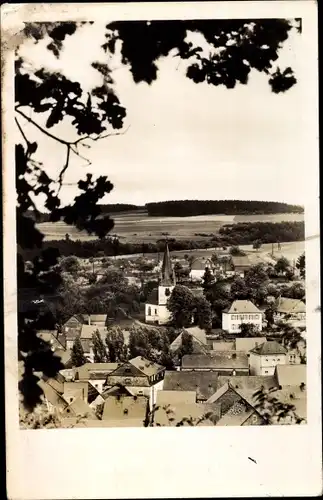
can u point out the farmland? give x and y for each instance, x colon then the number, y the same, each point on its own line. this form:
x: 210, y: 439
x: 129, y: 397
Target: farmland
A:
x: 138, y: 227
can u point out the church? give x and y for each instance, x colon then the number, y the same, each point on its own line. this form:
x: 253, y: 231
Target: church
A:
x: 156, y: 309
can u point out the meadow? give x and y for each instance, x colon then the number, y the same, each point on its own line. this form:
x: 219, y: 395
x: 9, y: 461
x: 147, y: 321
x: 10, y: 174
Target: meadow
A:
x: 138, y: 227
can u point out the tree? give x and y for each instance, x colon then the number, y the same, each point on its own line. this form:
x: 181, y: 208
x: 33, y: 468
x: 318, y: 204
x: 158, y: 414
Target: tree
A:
x: 239, y: 289
x: 46, y: 99
x: 236, y: 251
x: 115, y: 344
x: 274, y: 411
x: 256, y: 279
x: 186, y: 345
x: 270, y: 315
x: 208, y: 280
x: 70, y: 264
x: 282, y: 265
x: 77, y: 354
x: 203, y: 313
x: 249, y: 330
x: 181, y: 305
x: 300, y: 265
x: 257, y: 245
x: 99, y: 350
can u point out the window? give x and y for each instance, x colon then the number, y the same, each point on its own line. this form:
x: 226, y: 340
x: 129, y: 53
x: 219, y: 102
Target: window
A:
x: 278, y: 359
x: 128, y: 381
x: 256, y: 316
x: 155, y: 311
x: 266, y: 371
x: 254, y: 419
x: 149, y: 311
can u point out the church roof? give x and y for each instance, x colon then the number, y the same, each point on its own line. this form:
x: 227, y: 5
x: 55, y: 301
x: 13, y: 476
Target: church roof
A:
x: 167, y: 277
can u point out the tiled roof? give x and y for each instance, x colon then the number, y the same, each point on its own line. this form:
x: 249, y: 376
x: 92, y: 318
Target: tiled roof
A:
x: 86, y: 371
x: 72, y: 332
x: 241, y: 261
x: 200, y: 264
x: 198, y: 333
x: 98, y: 318
x: 237, y: 415
x: 153, y: 297
x: 289, y: 306
x: 175, y: 397
x: 145, y: 366
x: 247, y: 343
x: 242, y: 307
x: 79, y: 408
x: 64, y: 355
x: 203, y: 383
x: 198, y: 339
x: 250, y: 383
x: 88, y: 330
x: 195, y: 411
x: 52, y: 396
x: 223, y: 346
x: 268, y: 348
x: 219, y: 360
x: 125, y: 408
x: 291, y: 374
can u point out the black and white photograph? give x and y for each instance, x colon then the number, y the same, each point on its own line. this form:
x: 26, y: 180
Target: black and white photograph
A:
x: 161, y: 173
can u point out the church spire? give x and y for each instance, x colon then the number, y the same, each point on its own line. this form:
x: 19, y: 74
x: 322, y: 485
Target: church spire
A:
x: 167, y: 275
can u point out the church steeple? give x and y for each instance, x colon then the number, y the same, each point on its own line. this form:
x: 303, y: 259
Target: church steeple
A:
x: 167, y: 274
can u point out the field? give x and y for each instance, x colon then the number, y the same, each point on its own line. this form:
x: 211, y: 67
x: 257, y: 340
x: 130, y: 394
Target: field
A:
x: 139, y: 227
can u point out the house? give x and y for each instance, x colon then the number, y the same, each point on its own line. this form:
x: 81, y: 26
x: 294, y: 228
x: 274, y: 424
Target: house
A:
x: 117, y: 390
x: 96, y: 373
x: 241, y: 311
x: 233, y: 407
x: 290, y: 375
x: 139, y: 376
x: 175, y: 397
x: 241, y: 265
x: 198, y: 268
x: 204, y: 384
x: 52, y: 338
x: 291, y: 311
x: 198, y: 340
x: 246, y: 344
x: 264, y: 358
x: 126, y: 411
x: 182, y: 414
x: 226, y: 362
x: 156, y: 307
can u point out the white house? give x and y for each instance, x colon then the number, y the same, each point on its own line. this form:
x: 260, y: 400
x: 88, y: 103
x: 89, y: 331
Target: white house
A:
x: 198, y: 268
x: 264, y: 358
x: 241, y: 311
x: 292, y: 311
x: 156, y: 307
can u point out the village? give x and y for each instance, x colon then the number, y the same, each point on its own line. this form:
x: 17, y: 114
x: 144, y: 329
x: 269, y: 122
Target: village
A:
x: 178, y: 341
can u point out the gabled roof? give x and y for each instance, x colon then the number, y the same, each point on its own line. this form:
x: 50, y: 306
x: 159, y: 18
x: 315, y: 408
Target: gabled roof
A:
x: 126, y: 409
x: 75, y: 319
x: 177, y: 412
x: 79, y: 408
x: 236, y: 415
x: 268, y: 348
x: 203, y: 383
x: 147, y: 367
x: 218, y: 360
x: 50, y: 336
x: 200, y: 264
x: 96, y: 370
x: 242, y: 307
x: 175, y: 397
x: 288, y: 375
x: 223, y: 346
x: 64, y: 355
x: 116, y: 390
x: 198, y: 340
x: 198, y: 333
x: 245, y: 344
x: 290, y: 306
x: 88, y: 330
x: 52, y: 396
x: 76, y: 390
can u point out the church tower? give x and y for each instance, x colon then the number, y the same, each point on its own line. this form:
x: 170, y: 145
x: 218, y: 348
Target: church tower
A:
x: 167, y: 280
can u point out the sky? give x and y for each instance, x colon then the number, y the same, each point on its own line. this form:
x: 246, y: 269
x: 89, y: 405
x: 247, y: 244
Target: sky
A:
x: 183, y: 140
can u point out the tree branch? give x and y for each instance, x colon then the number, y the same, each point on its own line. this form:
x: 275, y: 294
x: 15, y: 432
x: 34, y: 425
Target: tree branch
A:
x: 62, y: 172
x: 30, y: 120
x: 22, y: 132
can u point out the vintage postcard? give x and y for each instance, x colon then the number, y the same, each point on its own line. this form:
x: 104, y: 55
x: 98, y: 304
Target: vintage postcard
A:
x: 161, y: 250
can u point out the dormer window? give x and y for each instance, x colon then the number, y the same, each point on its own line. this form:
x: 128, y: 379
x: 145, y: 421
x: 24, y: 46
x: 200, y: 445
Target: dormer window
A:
x: 167, y: 292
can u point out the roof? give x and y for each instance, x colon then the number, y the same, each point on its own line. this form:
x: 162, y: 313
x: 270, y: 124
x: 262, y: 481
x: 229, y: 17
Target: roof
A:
x: 147, y: 367
x: 79, y: 408
x: 167, y: 276
x: 76, y: 389
x: 116, y: 390
x: 200, y: 264
x: 52, y: 396
x: 72, y: 332
x: 177, y: 412
x: 198, y: 339
x: 241, y: 261
x: 97, y: 318
x: 197, y: 291
x: 75, y: 319
x: 50, y: 336
x: 218, y: 360
x: 237, y: 414
x: 288, y: 375
x: 125, y: 409
x: 242, y: 307
x: 223, y: 346
x: 295, y: 396
x: 290, y: 306
x: 246, y: 386
x: 64, y: 355
x: 96, y: 370
x: 268, y: 348
x: 248, y: 343
x: 203, y: 383
x: 198, y: 333
x: 175, y: 397
x: 88, y: 330
x: 153, y: 297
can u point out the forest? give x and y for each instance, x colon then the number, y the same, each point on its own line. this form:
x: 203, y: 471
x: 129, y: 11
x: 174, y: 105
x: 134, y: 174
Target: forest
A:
x: 187, y: 208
